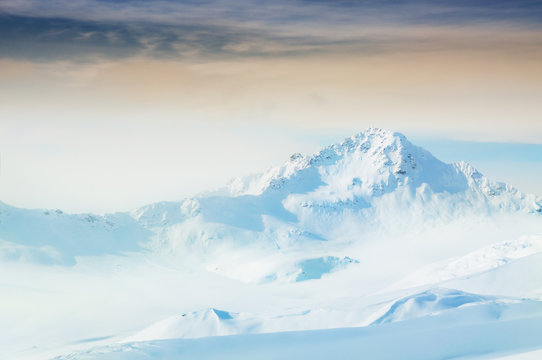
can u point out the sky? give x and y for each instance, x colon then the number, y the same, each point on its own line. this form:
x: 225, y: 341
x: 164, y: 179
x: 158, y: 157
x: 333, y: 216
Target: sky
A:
x: 110, y: 105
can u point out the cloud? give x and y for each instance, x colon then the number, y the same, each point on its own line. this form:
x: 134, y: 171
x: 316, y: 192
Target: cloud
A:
x: 51, y: 39
x: 281, y: 12
x: 84, y: 30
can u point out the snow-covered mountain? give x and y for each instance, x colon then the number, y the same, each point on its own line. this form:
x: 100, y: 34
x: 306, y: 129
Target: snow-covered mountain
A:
x: 373, y: 182
x: 368, y: 232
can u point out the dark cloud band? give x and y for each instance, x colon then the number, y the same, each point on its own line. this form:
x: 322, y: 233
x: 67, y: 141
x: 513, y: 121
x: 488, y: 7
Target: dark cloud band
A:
x: 85, y: 30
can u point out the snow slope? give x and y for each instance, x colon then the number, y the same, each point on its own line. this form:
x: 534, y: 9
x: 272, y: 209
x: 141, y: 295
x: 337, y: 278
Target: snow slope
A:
x: 476, y: 262
x: 51, y: 236
x: 454, y: 334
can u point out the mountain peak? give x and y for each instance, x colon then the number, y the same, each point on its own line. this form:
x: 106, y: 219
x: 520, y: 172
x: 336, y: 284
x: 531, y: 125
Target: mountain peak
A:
x: 376, y: 134
x: 370, y: 164
x: 374, y: 142
x: 370, y: 137
x: 377, y: 148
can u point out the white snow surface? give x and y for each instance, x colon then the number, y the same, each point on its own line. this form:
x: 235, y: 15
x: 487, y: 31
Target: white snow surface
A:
x: 445, y: 336
x: 478, y: 261
x: 395, y: 253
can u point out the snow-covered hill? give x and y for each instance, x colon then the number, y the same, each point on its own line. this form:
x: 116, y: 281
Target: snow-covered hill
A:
x: 208, y: 322
x: 487, y: 331
x: 369, y: 233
